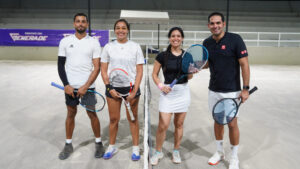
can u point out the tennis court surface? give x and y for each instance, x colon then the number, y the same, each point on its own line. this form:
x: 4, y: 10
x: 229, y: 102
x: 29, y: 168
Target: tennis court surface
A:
x: 33, y: 114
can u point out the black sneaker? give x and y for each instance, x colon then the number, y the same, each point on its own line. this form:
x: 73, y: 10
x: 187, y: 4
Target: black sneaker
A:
x: 66, y: 152
x: 99, y: 150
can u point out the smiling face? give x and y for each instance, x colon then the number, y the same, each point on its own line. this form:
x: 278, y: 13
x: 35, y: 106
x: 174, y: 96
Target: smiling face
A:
x: 216, y: 25
x: 175, y: 39
x: 80, y: 24
x: 121, y: 31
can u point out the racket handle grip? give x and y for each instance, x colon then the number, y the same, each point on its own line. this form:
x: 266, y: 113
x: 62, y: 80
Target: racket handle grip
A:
x: 173, y: 83
x: 57, y: 85
x: 253, y: 90
x: 129, y: 111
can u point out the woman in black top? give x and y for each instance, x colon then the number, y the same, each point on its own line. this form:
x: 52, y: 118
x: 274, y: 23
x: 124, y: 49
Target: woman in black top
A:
x: 174, y: 100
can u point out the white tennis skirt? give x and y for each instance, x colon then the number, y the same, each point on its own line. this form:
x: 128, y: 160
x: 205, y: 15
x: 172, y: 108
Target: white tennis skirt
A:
x: 176, y: 101
x: 214, y: 97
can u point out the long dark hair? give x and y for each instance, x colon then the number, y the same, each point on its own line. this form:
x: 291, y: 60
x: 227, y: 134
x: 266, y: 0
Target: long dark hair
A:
x: 168, y: 51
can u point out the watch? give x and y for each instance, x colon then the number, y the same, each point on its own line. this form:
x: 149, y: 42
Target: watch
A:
x: 246, y: 87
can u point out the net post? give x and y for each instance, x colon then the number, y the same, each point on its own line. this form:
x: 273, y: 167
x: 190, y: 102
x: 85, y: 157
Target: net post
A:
x: 146, y: 114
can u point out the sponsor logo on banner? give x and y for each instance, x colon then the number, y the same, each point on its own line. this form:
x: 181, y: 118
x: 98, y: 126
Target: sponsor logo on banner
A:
x: 43, y: 37
x: 29, y: 36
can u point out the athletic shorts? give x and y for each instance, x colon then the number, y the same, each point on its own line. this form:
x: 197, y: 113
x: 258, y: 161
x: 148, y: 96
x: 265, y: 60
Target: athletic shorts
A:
x: 123, y: 90
x: 214, y: 97
x: 89, y: 97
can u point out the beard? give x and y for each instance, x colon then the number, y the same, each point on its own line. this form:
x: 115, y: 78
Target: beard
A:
x: 81, y: 31
x: 218, y: 34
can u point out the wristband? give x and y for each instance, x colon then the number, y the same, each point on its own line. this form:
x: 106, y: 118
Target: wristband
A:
x: 160, y: 86
x: 109, y: 87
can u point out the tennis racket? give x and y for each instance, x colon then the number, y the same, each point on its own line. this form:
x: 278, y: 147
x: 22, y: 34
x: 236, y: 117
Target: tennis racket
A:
x: 193, y: 60
x: 119, y: 78
x: 91, y: 101
x: 225, y: 110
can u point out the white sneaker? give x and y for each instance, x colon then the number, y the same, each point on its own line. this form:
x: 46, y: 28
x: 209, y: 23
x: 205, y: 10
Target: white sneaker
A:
x: 111, y: 150
x: 216, y: 158
x: 156, y: 157
x: 176, y: 157
x: 234, y: 163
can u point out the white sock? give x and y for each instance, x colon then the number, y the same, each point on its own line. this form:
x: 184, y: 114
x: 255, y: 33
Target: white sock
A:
x: 111, y: 146
x: 98, y: 140
x: 136, y: 150
x: 234, y: 151
x: 68, y: 141
x: 219, y: 144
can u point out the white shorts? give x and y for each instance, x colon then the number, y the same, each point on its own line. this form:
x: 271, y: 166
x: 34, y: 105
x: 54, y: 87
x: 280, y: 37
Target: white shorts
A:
x: 176, y: 101
x: 214, y: 97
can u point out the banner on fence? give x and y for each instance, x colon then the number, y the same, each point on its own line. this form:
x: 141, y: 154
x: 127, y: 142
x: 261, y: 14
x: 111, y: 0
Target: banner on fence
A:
x: 42, y: 37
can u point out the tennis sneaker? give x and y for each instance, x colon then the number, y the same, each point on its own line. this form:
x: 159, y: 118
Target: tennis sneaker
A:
x: 66, y: 152
x: 156, y: 157
x: 234, y: 163
x: 216, y: 158
x: 135, y: 157
x: 99, y: 150
x: 135, y: 153
x: 110, y: 152
x: 176, y: 157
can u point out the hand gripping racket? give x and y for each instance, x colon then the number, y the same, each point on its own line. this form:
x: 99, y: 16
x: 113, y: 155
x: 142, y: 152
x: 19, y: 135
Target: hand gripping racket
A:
x: 119, y: 78
x: 91, y: 101
x: 193, y: 60
x: 225, y: 110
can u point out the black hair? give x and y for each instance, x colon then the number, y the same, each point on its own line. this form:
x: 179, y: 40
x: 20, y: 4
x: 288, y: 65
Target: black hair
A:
x: 168, y: 51
x: 122, y: 20
x: 216, y: 14
x: 81, y: 14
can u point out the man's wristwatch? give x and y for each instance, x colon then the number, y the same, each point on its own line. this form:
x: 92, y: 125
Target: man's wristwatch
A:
x: 246, y: 87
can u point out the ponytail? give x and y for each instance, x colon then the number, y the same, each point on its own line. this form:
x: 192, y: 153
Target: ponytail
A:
x: 166, y: 56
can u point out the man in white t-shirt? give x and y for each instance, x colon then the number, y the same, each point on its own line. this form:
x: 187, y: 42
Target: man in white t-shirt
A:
x: 78, y: 68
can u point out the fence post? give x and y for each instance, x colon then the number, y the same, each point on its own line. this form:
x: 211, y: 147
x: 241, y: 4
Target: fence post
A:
x: 152, y: 38
x: 279, y: 39
x: 258, y: 39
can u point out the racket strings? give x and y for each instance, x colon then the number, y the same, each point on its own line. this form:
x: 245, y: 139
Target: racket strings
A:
x: 118, y: 78
x: 92, y: 101
x: 225, y: 110
x: 194, y: 59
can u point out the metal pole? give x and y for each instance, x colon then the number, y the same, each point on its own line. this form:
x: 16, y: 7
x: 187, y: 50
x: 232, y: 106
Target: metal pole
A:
x: 279, y: 39
x: 227, y: 16
x: 129, y: 32
x: 258, y: 39
x: 89, y: 16
x: 158, y: 36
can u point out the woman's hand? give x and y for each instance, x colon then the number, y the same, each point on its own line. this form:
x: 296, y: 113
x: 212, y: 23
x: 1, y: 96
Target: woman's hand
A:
x: 166, y: 89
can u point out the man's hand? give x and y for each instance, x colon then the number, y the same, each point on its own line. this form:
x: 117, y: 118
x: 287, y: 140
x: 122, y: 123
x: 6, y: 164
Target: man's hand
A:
x: 244, y: 95
x: 69, y: 90
x: 82, y: 90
